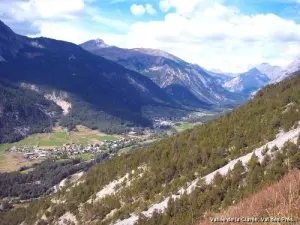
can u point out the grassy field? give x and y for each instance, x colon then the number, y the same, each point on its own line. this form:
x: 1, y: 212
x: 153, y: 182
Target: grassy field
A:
x: 2, y: 151
x: 134, y: 147
x: 85, y: 156
x: 108, y: 138
x: 181, y: 126
x: 14, y: 162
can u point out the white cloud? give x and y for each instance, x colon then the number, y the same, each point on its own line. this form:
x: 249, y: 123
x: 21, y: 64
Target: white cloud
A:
x: 72, y: 33
x: 182, y: 6
x: 150, y: 10
x: 216, y: 36
x: 51, y: 8
x: 164, y: 5
x: 137, y: 10
x: 45, y: 9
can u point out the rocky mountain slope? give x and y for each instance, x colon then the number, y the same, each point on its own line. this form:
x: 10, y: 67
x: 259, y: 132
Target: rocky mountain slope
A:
x: 95, y: 91
x: 247, y: 83
x: 183, y: 178
x: 168, y: 71
x: 269, y: 70
x: 288, y: 71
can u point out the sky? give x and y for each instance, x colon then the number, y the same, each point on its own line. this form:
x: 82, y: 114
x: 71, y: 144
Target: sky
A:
x: 227, y: 35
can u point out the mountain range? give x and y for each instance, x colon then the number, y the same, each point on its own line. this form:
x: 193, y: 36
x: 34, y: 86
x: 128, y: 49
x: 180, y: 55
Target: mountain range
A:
x: 251, y: 81
x: 182, y: 80
x: 187, y: 82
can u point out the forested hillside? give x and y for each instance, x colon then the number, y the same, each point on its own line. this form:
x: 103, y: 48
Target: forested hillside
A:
x: 137, y: 181
x: 23, y: 112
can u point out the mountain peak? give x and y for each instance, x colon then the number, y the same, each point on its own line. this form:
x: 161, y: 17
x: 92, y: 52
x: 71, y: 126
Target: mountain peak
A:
x: 253, y: 70
x: 100, y: 42
x: 264, y: 64
x: 269, y: 70
x: 94, y: 44
x: 247, y: 82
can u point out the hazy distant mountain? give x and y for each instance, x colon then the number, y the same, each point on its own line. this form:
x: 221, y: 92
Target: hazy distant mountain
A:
x: 276, y: 73
x: 288, y: 71
x: 271, y: 71
x: 221, y: 77
x: 95, y: 91
x: 169, y: 71
x: 253, y: 80
x: 247, y: 83
x: 219, y: 72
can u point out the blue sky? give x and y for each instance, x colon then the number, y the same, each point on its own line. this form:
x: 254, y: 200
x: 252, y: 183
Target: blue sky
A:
x: 229, y: 35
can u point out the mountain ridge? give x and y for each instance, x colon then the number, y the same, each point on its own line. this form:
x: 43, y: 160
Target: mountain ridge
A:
x: 166, y: 69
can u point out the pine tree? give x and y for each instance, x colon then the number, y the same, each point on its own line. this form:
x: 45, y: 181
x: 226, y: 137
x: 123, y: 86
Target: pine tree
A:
x: 252, y: 162
x: 218, y: 179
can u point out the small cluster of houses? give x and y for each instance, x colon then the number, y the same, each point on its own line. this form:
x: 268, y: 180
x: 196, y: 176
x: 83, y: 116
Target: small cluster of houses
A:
x: 121, y: 143
x: 76, y: 149
x: 31, y: 153
x: 160, y: 123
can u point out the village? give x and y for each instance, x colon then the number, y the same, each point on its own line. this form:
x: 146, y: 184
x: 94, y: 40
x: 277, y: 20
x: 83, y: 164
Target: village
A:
x: 72, y: 149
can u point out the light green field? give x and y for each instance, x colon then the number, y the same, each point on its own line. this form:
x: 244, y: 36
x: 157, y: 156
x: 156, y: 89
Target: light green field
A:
x: 108, y: 138
x: 3, y: 148
x: 85, y: 156
x: 133, y: 147
x: 184, y: 126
